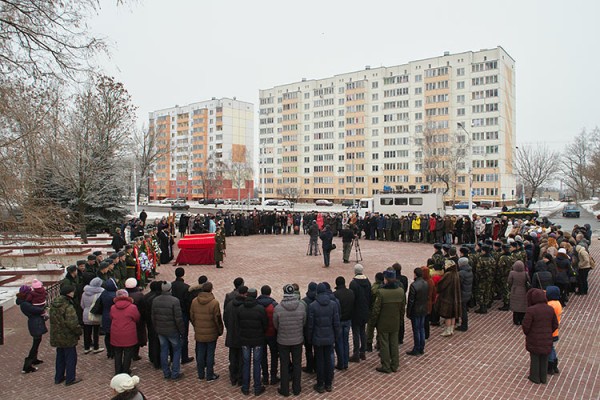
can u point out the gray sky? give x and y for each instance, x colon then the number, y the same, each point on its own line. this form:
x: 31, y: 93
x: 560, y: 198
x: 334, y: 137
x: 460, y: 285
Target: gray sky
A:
x: 182, y: 51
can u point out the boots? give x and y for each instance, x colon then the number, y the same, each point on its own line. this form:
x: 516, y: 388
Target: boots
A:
x: 28, y: 366
x: 447, y: 331
x: 550, y: 368
x: 482, y: 310
x: 555, y: 366
x: 505, y: 307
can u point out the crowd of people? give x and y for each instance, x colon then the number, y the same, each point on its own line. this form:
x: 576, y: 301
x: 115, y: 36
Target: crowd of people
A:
x: 532, y: 269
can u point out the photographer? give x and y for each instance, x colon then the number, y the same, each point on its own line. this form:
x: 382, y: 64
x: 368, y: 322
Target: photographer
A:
x: 347, y: 238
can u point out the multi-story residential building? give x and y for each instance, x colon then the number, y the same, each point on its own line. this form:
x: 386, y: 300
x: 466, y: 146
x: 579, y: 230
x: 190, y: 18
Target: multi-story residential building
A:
x: 206, y: 148
x: 432, y: 124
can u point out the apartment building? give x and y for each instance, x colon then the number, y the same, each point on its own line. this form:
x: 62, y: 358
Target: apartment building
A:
x: 434, y: 124
x: 206, y: 148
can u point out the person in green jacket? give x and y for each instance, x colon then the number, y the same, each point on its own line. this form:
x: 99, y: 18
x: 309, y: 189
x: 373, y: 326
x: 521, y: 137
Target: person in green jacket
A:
x: 389, y: 304
x: 64, y: 335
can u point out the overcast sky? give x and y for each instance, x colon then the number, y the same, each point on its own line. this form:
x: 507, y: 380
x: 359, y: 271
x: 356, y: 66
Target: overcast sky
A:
x: 169, y: 52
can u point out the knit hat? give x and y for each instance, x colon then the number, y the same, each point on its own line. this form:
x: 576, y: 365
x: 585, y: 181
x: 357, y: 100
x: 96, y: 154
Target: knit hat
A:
x: 562, y: 250
x: 65, y: 290
x: 463, y: 261
x: 288, y: 289
x: 252, y: 292
x: 437, y: 246
x: 96, y: 282
x: 321, y: 288
x: 122, y: 293
x: 130, y: 283
x: 552, y: 292
x: 123, y: 382
x: 24, y: 289
x: 166, y: 287
x: 36, y: 284
x: 358, y: 269
x: 389, y: 275
x: 312, y: 287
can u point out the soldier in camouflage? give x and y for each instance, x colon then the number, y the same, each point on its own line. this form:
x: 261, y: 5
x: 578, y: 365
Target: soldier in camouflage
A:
x: 485, y: 275
x: 505, y: 263
x: 474, y: 262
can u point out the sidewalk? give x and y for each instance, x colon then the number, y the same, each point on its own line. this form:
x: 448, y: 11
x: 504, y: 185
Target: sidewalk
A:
x: 487, y: 362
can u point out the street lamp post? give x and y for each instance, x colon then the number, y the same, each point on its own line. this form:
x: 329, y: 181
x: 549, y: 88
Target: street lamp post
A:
x: 469, y: 170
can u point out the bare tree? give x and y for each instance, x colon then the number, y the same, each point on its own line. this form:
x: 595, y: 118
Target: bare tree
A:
x: 147, y: 153
x: 290, y: 193
x: 444, y: 157
x: 575, y: 163
x: 238, y: 169
x: 212, y: 177
x: 536, y: 166
x: 41, y: 39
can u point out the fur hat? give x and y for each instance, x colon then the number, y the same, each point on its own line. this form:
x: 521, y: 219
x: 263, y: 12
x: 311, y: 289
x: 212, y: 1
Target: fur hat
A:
x: 122, y: 293
x: 65, y: 290
x: 166, y: 287
x: 358, y: 269
x: 130, y: 283
x: 321, y: 288
x: 389, y: 275
x: 123, y: 382
x: 36, y: 284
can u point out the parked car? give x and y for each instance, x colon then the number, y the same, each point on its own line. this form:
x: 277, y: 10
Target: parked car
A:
x: 486, y: 204
x: 285, y: 203
x: 323, y: 202
x: 349, y: 203
x: 180, y: 204
x: 168, y: 200
x: 519, y: 212
x: 271, y: 202
x: 571, y: 210
x: 464, y: 205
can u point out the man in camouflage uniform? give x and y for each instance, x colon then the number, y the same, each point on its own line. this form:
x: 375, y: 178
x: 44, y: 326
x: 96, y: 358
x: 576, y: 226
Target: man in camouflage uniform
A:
x: 505, y: 263
x: 474, y: 262
x: 485, y: 276
x: 517, y: 254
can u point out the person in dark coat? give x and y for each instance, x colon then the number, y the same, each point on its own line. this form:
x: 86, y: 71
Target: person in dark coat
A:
x: 361, y: 287
x: 232, y: 339
x: 180, y: 289
x: 168, y: 324
x: 346, y: 298
x: 117, y: 242
x: 465, y: 273
x: 252, y: 324
x: 403, y: 282
x: 517, y: 282
x: 448, y: 301
x: 143, y: 217
x: 323, y: 330
x: 153, y: 342
x: 416, y: 310
x: 538, y: 325
x: 166, y: 247
x: 269, y: 304
x: 36, y: 326
x: 563, y: 267
x: 542, y: 277
x: 138, y: 300
x: 327, y: 243
x: 219, y: 247
x: 309, y: 355
x: 106, y: 302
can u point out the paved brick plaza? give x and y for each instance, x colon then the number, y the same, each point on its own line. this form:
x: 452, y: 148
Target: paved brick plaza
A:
x: 487, y: 362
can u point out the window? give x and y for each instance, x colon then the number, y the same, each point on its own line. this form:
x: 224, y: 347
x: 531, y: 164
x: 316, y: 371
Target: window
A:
x: 400, y: 201
x: 418, y: 78
x: 415, y: 201
x: 460, y: 71
x: 460, y: 84
x: 386, y: 201
x: 460, y: 98
x: 418, y: 90
x: 460, y: 111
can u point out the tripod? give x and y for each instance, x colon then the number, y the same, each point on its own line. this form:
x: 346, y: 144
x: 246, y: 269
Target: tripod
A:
x: 309, y: 250
x: 357, y: 249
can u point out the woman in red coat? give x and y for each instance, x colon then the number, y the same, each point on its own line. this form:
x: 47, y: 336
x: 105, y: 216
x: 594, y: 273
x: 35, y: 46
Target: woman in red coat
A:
x: 123, y: 330
x: 539, y: 323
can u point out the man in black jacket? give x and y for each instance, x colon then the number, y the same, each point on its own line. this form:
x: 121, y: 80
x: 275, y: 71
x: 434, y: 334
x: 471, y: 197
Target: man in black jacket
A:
x: 252, y: 323
x: 168, y: 323
x: 346, y: 298
x: 361, y: 287
x: 403, y: 281
x: 416, y: 310
x: 232, y: 339
x: 180, y: 289
x: 347, y: 238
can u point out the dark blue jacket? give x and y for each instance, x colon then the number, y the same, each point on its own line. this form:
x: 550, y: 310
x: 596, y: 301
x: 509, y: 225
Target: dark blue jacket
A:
x: 35, y: 321
x: 106, y: 299
x: 361, y: 287
x: 323, y: 321
x: 252, y: 323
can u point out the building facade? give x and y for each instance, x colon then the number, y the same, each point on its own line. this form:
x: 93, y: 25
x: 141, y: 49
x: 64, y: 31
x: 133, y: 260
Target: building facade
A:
x: 206, y: 150
x: 433, y: 125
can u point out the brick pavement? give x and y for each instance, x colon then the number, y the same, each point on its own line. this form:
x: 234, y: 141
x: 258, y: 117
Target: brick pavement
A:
x: 487, y: 362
